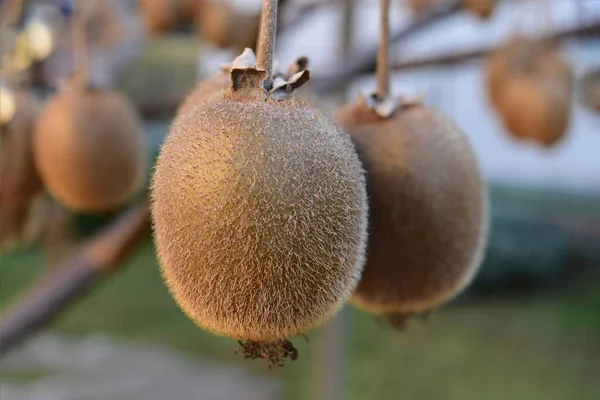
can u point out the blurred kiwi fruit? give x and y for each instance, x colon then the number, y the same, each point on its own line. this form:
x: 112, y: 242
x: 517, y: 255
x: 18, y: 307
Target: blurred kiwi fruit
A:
x: 427, y: 208
x: 260, y: 215
x: 223, y: 26
x: 161, y: 16
x: 19, y: 179
x: 481, y: 8
x: 89, y: 149
x: 531, y: 85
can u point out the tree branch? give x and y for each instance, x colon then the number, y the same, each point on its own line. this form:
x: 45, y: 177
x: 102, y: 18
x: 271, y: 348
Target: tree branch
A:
x: 55, y: 293
x: 591, y: 29
x: 367, y: 62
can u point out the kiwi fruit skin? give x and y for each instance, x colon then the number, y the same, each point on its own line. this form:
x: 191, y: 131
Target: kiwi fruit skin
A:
x: 89, y: 149
x: 203, y: 92
x: 260, y: 216
x: 427, y: 208
x: 20, y: 182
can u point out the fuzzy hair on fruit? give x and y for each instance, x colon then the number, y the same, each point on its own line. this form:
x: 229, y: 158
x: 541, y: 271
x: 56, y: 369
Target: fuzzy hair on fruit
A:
x: 260, y: 216
x: 427, y: 208
x: 89, y: 149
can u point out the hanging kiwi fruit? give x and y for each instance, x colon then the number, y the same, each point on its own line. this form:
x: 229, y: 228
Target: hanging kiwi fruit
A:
x: 427, y: 200
x: 161, y: 16
x: 259, y: 209
x: 589, y: 90
x: 531, y: 85
x: 19, y: 180
x: 223, y: 26
x: 88, y: 143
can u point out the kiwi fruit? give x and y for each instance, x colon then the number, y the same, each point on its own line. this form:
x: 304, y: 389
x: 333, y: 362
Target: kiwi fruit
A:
x: 530, y: 85
x: 259, y: 212
x: 19, y: 179
x: 589, y: 90
x: 161, y: 15
x: 481, y: 8
x: 427, y: 208
x: 223, y: 26
x: 89, y: 149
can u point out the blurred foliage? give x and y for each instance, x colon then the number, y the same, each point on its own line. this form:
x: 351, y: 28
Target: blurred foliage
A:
x: 529, y: 347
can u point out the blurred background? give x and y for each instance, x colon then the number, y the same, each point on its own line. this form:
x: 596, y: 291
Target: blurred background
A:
x: 527, y: 328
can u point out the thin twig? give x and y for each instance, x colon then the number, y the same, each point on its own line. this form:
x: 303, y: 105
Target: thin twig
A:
x: 367, y: 62
x: 383, y: 54
x: 55, y: 293
x: 266, y: 40
x: 592, y: 29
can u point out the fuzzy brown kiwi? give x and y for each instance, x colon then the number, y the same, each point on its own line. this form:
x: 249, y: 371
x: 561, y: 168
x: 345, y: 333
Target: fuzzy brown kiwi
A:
x: 428, y: 211
x: 259, y: 210
x: 215, y: 21
x: 481, y: 8
x: 533, y: 94
x: 427, y: 199
x: 89, y: 149
x: 19, y: 179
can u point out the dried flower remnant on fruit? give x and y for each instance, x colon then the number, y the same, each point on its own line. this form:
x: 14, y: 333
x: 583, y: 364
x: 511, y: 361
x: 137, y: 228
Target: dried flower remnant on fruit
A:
x: 273, y: 353
x: 253, y: 246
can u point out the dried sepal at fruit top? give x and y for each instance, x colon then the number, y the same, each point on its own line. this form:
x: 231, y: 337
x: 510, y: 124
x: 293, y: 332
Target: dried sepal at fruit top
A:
x: 530, y: 84
x: 221, y: 81
x: 19, y: 179
x: 259, y: 209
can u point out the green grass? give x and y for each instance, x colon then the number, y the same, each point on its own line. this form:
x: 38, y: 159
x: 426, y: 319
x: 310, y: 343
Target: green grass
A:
x: 545, y: 347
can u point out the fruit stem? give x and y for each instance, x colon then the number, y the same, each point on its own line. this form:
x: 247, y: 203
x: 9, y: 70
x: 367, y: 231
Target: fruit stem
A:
x: 80, y: 47
x: 383, y: 54
x: 266, y: 39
